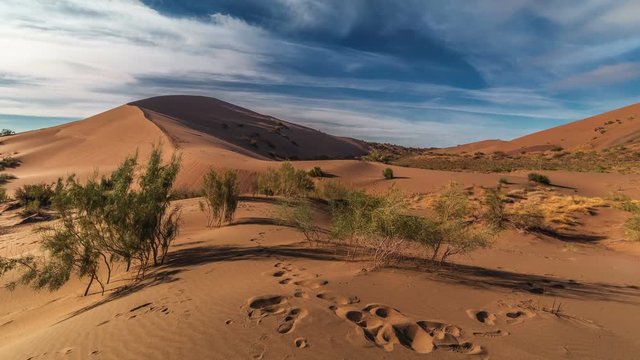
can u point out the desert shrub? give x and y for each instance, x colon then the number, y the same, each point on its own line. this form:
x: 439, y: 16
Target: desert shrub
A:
x: 299, y: 214
x: 332, y: 191
x: 376, y: 156
x: 539, y: 178
x: 371, y: 224
x: 9, y: 162
x: 455, y: 233
x: 107, y: 220
x: 503, y: 181
x: 221, y: 196
x: 285, y: 181
x: 5, y: 178
x: 632, y: 226
x: 316, y: 172
x: 4, y: 197
x: 34, y: 198
x: 624, y: 202
x: 527, y: 218
x: 494, y: 209
x: 387, y: 173
x: 557, y: 148
x: 6, y: 132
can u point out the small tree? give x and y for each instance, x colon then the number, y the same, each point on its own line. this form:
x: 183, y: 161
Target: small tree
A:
x: 387, y: 173
x: 220, y: 197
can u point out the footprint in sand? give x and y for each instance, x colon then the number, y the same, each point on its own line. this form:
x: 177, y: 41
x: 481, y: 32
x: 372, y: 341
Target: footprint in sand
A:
x: 312, y: 283
x: 482, y: 316
x: 385, y: 327
x: 271, y: 305
x: 338, y: 299
x: 301, y: 343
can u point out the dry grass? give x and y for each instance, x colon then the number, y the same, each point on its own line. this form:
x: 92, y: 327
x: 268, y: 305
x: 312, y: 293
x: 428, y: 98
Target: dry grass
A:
x: 558, y: 211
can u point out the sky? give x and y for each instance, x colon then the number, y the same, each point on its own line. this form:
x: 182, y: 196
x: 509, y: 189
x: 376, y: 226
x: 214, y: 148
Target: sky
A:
x: 411, y: 72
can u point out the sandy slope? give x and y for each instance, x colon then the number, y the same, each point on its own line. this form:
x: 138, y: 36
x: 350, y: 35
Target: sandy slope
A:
x: 613, y: 128
x: 208, y: 301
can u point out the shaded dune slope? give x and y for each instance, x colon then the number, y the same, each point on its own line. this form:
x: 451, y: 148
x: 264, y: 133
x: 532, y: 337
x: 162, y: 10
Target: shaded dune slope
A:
x: 245, y: 131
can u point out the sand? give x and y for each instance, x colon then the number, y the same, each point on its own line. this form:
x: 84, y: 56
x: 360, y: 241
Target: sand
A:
x: 256, y: 290
x: 619, y: 127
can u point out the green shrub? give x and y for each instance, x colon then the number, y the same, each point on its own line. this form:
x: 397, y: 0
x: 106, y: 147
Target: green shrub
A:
x: 299, y: 214
x: 387, y: 173
x: 539, y: 178
x: 503, y: 181
x: 104, y: 221
x: 316, y: 172
x: 6, y: 132
x: 5, y: 178
x: 632, y: 226
x: 332, y: 191
x: 494, y: 210
x: 455, y: 234
x: 376, y: 156
x: 34, y: 198
x: 285, y: 181
x: 9, y: 162
x: 221, y: 196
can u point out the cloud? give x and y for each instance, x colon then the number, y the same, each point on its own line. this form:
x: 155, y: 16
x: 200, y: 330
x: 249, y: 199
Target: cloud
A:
x: 603, y: 75
x: 414, y: 72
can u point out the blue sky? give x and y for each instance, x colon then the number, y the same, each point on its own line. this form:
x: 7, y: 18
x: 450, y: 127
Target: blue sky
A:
x: 413, y: 72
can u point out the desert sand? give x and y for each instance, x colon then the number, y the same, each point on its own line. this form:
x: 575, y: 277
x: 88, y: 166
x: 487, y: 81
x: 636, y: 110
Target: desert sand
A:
x: 257, y: 290
x: 614, y: 128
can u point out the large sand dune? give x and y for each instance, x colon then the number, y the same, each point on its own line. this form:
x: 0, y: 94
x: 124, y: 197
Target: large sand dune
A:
x: 620, y: 127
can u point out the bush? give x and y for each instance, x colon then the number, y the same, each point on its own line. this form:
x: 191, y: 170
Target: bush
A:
x: 455, y: 232
x: 527, y: 218
x: 104, y: 221
x: 34, y: 198
x: 387, y: 173
x: 6, y: 132
x: 371, y: 224
x: 539, y: 178
x: 332, y: 191
x: 5, y: 178
x: 494, y: 209
x: 9, y: 162
x: 557, y: 148
x: 221, y: 197
x: 316, y: 172
x: 285, y: 181
x: 503, y: 181
x: 632, y: 226
x: 299, y: 214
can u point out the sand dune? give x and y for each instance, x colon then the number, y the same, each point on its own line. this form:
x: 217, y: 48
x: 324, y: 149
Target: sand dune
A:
x: 256, y: 290
x: 620, y: 127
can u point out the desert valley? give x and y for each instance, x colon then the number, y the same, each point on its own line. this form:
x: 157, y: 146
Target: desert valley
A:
x: 339, y: 248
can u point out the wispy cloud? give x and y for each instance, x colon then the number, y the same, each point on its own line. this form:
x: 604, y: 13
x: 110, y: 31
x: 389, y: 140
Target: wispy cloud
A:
x: 414, y: 72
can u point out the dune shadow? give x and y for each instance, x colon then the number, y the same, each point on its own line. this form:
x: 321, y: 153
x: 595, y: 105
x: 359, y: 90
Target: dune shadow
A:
x: 479, y: 277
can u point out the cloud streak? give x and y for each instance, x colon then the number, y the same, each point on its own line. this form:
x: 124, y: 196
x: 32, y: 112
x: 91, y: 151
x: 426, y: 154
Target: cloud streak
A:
x: 413, y: 72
